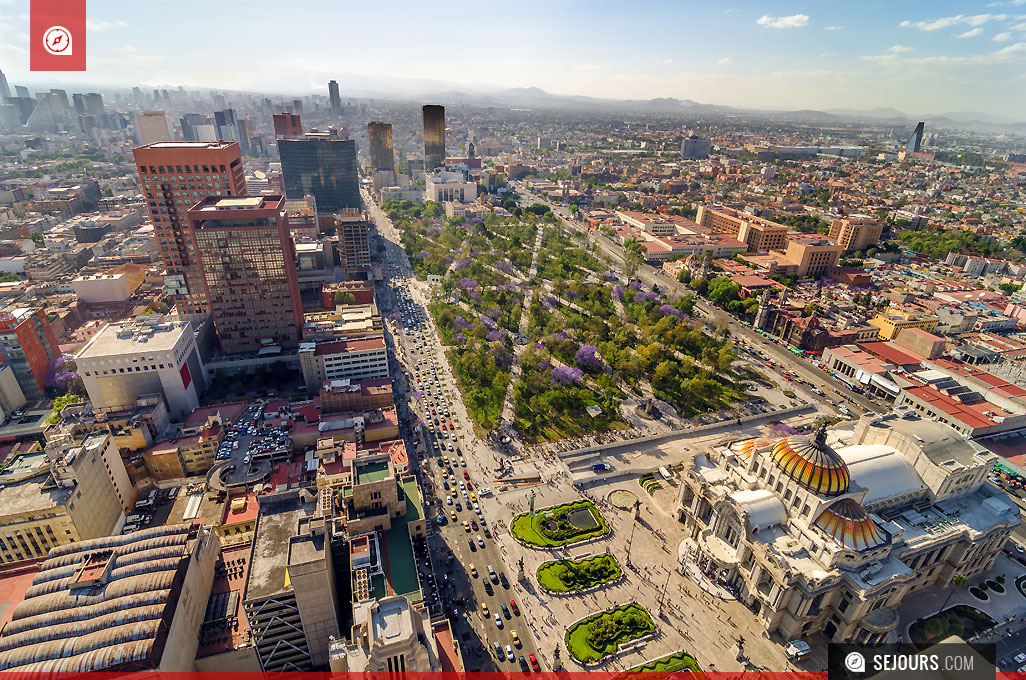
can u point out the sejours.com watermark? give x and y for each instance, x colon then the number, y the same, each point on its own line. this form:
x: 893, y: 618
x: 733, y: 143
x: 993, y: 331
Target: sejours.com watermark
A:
x: 951, y: 660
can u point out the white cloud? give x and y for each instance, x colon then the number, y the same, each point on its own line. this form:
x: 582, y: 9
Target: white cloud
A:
x: 1019, y: 27
x: 898, y: 48
x: 832, y: 28
x: 105, y: 25
x: 948, y: 22
x: 793, y: 21
x: 725, y: 60
x: 1003, y: 37
x: 1014, y: 54
x: 971, y: 33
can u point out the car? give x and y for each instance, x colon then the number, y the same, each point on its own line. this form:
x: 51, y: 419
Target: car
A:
x: 459, y: 506
x: 498, y: 621
x: 484, y: 609
x: 473, y: 498
x: 480, y: 541
x: 466, y: 526
x: 502, y: 577
x: 473, y: 524
x: 473, y: 571
x: 441, y: 520
x: 452, y: 515
x: 463, y: 462
x: 534, y: 662
x: 516, y: 638
x: 523, y: 664
x: 514, y: 607
x: 1019, y: 548
x: 466, y: 474
x: 505, y: 610
x: 470, y: 542
x: 1020, y: 657
x: 499, y: 654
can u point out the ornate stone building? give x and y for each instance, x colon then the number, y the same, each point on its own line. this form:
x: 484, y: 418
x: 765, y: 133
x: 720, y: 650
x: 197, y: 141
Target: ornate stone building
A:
x: 828, y: 532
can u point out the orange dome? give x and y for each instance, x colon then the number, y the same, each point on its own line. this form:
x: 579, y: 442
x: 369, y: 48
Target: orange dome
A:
x: 746, y: 447
x: 850, y: 525
x: 809, y: 461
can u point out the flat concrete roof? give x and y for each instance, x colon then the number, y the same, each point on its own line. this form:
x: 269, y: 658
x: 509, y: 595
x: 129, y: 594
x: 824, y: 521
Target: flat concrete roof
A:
x: 939, y: 441
x: 107, y: 343
x: 277, y: 523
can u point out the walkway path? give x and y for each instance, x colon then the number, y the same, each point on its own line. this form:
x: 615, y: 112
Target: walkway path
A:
x: 508, y: 415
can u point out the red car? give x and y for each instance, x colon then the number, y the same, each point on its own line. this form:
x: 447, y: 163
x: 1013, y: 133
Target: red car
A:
x: 534, y: 662
x: 469, y: 485
x: 466, y: 475
x: 514, y: 607
x: 473, y: 524
x: 433, y: 412
x: 451, y: 426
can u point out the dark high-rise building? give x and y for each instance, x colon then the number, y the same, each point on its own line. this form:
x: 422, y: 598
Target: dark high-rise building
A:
x: 94, y: 103
x: 381, y: 154
x: 434, y: 136
x: 248, y: 264
x: 189, y: 122
x: 297, y: 107
x: 334, y: 98
x: 323, y: 166
x: 78, y: 101
x: 174, y: 177
x: 915, y: 142
x: 287, y: 125
x: 5, y: 89
x: 22, y: 91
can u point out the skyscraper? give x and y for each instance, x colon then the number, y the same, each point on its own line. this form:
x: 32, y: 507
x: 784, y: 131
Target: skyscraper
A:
x: 336, y: 101
x: 151, y: 127
x: 915, y: 142
x: 381, y: 154
x: 5, y: 90
x: 248, y: 263
x: 434, y: 136
x: 78, y: 101
x: 94, y: 103
x: 324, y: 166
x: 287, y: 125
x: 174, y: 177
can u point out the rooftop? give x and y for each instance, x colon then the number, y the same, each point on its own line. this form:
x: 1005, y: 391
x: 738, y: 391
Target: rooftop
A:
x: 277, y: 523
x: 131, y: 337
x: 367, y: 473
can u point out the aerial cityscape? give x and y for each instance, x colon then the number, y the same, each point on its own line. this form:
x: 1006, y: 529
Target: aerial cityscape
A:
x: 319, y: 363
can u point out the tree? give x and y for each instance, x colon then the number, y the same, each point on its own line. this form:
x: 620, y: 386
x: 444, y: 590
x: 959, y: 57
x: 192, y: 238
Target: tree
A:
x: 958, y: 581
x: 633, y: 258
x: 37, y: 238
x: 344, y: 297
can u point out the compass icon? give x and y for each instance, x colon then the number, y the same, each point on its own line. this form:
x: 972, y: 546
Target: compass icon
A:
x: 57, y: 41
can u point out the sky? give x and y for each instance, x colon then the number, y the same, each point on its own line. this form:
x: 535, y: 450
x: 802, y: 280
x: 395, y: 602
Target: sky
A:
x: 919, y: 57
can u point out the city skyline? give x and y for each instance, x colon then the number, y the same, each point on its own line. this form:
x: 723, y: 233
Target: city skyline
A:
x: 916, y: 57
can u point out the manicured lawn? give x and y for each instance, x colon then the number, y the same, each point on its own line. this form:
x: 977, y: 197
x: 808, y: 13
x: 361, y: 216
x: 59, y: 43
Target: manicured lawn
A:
x: 560, y: 525
x: 670, y: 664
x: 601, y: 634
x: 563, y: 576
x: 961, y: 620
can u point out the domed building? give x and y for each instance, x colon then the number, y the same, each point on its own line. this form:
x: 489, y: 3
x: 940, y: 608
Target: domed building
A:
x: 826, y: 532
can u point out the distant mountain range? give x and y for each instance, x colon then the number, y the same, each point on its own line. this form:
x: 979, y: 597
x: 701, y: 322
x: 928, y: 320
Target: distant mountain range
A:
x: 533, y: 97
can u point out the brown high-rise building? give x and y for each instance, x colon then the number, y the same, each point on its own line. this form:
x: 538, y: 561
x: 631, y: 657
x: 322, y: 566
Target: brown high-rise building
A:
x: 248, y: 263
x: 434, y: 137
x: 380, y: 135
x: 287, y: 125
x: 855, y: 233
x: 174, y: 177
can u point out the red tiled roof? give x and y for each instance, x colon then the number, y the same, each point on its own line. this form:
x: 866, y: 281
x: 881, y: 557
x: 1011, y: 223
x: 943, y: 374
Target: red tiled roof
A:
x: 890, y: 352
x: 349, y: 346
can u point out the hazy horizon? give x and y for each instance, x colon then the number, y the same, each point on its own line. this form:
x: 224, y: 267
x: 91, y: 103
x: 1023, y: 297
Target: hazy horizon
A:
x: 919, y: 58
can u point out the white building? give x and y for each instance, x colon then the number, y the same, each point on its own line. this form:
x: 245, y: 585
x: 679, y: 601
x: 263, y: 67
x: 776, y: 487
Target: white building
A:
x: 102, y: 288
x: 365, y: 359
x: 146, y: 356
x: 448, y: 185
x: 411, y: 194
x: 389, y: 635
x: 828, y: 533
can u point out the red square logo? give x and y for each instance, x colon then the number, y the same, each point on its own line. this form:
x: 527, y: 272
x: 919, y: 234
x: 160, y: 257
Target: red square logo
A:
x: 58, y: 35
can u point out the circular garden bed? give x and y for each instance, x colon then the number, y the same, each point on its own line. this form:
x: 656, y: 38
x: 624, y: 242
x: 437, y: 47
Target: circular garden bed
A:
x: 559, y: 525
x: 569, y: 576
x: 673, y: 663
x: 979, y: 593
x: 600, y: 635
